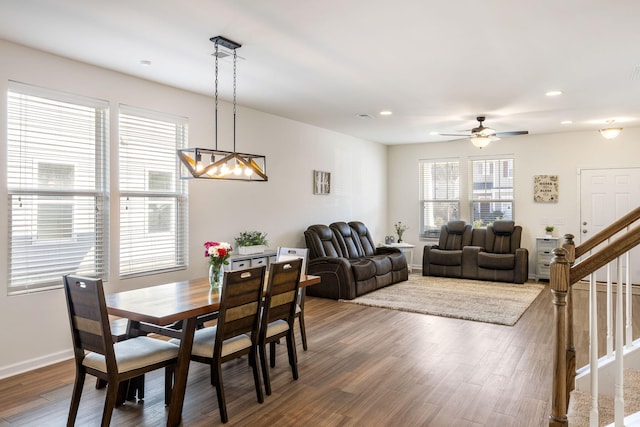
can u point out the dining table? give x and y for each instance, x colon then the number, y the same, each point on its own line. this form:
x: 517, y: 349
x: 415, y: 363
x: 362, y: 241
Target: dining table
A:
x: 156, y: 308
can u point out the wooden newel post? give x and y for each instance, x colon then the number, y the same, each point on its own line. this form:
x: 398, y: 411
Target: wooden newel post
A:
x: 559, y: 282
x: 570, y: 247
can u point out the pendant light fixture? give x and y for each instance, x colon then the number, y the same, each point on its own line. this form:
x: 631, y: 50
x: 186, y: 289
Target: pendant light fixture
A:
x: 610, y: 132
x: 218, y: 164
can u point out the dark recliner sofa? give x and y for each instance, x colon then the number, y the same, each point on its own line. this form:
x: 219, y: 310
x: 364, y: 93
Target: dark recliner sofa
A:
x: 492, y: 254
x: 346, y: 258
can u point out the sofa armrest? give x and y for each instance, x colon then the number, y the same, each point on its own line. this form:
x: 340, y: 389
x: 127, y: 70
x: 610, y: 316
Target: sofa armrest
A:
x: 336, y: 278
x: 383, y: 250
x: 426, y: 261
x: 470, y: 261
x: 521, y: 272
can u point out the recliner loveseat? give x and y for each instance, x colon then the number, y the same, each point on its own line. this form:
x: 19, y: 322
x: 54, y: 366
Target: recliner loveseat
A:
x: 346, y: 258
x: 493, y: 254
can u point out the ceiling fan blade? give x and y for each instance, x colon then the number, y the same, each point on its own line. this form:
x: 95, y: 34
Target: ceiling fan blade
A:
x: 454, y: 134
x: 517, y: 132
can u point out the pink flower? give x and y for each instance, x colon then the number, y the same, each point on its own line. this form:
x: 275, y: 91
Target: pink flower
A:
x: 218, y: 252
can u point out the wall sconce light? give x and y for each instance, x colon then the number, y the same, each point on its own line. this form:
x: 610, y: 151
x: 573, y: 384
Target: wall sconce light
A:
x: 610, y: 132
x: 217, y: 164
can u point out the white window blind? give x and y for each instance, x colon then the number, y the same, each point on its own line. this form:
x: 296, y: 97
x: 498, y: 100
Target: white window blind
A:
x: 56, y: 179
x: 440, y: 190
x: 491, y: 190
x: 153, y: 198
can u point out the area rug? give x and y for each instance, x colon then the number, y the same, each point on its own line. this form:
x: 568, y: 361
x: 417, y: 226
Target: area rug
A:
x: 490, y: 302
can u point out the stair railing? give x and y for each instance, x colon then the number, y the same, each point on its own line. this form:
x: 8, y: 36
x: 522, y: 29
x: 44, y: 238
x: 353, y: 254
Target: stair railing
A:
x: 564, y: 273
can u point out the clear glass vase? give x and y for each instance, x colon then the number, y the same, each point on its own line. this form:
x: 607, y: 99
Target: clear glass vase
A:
x: 216, y: 276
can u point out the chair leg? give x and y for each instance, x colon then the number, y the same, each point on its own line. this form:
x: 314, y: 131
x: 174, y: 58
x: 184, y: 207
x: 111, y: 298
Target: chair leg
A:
x: 272, y: 353
x: 75, y: 397
x: 216, y: 380
x: 265, y: 369
x: 256, y: 375
x: 291, y: 351
x: 169, y: 372
x: 303, y: 331
x: 110, y: 402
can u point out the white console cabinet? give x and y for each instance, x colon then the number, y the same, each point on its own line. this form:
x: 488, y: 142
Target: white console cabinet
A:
x: 240, y: 262
x: 544, y: 246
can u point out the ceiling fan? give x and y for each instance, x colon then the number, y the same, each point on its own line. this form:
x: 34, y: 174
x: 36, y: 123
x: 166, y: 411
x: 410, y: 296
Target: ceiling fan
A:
x: 481, y: 136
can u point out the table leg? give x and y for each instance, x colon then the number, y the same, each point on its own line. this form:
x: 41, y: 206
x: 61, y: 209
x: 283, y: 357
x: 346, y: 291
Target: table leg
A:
x: 182, y: 371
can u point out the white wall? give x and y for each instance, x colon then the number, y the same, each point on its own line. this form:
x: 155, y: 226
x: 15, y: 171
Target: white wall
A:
x: 35, y: 326
x: 561, y: 154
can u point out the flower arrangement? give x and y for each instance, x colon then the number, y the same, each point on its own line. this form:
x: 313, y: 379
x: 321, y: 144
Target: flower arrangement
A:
x: 217, y: 252
x: 400, y: 229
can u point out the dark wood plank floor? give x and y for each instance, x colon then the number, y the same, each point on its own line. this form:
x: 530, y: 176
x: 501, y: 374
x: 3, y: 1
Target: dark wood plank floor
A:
x: 364, y: 367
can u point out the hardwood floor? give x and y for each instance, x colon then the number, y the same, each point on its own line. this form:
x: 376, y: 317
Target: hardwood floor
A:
x: 364, y: 367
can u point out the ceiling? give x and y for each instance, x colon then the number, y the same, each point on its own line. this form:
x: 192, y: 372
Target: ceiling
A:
x: 435, y: 64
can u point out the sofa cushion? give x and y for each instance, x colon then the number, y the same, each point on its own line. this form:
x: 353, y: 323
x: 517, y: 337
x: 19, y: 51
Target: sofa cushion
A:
x: 496, y: 261
x: 348, y: 241
x: 442, y: 257
x: 382, y: 263
x: 363, y: 269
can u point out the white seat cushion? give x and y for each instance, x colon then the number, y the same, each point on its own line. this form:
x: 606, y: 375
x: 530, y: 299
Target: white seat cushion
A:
x: 204, y: 339
x: 277, y: 327
x: 134, y: 353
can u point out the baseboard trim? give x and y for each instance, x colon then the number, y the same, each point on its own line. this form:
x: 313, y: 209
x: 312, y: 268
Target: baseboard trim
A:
x: 31, y: 364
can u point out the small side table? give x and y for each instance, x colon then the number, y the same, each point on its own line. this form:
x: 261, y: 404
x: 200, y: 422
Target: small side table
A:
x: 404, y: 248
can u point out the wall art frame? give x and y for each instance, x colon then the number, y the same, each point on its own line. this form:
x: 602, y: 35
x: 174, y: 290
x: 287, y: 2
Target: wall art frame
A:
x: 545, y: 189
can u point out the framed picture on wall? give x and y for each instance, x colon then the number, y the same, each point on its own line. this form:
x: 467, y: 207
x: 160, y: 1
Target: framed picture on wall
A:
x: 321, y: 182
x: 545, y: 188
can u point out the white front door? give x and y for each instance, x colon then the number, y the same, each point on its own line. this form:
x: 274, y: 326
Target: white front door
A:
x: 605, y: 196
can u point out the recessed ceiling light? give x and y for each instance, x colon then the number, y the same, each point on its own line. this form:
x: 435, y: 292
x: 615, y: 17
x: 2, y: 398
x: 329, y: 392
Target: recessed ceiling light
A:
x: 386, y: 112
x: 145, y: 62
x: 566, y: 122
x: 554, y: 93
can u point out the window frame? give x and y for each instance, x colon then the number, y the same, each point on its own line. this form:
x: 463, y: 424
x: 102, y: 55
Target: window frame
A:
x: 494, y: 168
x: 432, y: 231
x: 42, y: 124
x: 137, y: 193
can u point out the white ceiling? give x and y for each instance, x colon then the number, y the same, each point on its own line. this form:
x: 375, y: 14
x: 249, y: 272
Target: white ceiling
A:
x: 436, y: 64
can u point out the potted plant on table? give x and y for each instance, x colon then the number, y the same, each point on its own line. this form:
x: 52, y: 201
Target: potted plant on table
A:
x: 400, y: 229
x: 549, y: 230
x: 251, y: 242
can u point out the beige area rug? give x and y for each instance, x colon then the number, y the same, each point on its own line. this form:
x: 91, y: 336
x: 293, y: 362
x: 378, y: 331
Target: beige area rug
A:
x: 490, y: 302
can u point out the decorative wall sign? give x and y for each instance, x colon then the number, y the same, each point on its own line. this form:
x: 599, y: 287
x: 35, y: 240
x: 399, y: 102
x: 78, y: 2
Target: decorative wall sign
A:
x: 321, y: 182
x: 545, y: 188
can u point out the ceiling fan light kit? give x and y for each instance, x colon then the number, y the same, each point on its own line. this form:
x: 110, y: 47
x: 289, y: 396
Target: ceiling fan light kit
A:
x: 481, y: 135
x: 218, y: 164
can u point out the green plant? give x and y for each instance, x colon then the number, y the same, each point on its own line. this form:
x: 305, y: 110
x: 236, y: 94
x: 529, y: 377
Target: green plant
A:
x: 251, y: 238
x: 549, y: 229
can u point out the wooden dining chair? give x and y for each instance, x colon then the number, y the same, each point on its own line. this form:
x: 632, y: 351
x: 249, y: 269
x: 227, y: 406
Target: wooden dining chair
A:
x: 236, y: 333
x: 279, y: 314
x: 285, y: 254
x: 96, y: 353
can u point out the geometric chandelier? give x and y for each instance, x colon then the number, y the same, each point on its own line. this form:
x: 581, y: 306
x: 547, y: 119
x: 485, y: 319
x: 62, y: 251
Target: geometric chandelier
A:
x: 218, y: 164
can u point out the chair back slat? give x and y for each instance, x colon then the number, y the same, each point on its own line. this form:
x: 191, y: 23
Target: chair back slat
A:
x: 240, y: 304
x: 88, y: 316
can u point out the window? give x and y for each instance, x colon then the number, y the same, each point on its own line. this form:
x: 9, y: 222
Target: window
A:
x: 491, y: 190
x: 153, y: 199
x: 440, y: 190
x: 56, y: 180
